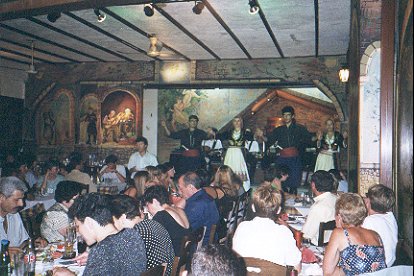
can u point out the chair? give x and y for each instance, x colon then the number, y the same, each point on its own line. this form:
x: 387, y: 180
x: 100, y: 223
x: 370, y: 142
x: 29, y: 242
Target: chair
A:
x: 158, y: 270
x: 181, y: 262
x: 212, y: 234
x: 32, y: 219
x: 257, y: 266
x: 325, y: 226
x: 243, y: 204
x: 198, y: 237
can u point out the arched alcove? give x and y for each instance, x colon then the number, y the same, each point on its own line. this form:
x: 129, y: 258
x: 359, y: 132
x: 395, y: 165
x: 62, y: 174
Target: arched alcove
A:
x: 369, y: 119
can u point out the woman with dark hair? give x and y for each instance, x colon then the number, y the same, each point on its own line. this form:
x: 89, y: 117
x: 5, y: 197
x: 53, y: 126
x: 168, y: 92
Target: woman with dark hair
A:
x: 352, y: 249
x: 48, y: 182
x: 234, y: 158
x: 157, y: 200
x: 112, y: 170
x: 56, y: 221
x: 158, y: 246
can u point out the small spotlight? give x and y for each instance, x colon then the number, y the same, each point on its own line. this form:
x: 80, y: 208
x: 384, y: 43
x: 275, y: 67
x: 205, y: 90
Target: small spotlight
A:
x: 53, y: 16
x: 198, y: 7
x: 101, y: 16
x: 148, y: 10
x: 254, y: 7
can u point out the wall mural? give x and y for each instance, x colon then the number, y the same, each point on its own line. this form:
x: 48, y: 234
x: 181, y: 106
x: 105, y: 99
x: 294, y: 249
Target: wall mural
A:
x: 55, y: 120
x: 119, y: 125
x: 369, y: 124
x: 175, y: 105
x: 89, y: 118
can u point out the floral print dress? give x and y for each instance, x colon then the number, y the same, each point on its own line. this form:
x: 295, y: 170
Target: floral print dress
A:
x: 358, y: 259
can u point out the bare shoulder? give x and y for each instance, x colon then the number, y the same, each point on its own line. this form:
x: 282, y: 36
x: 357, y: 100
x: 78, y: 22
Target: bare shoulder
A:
x: 179, y: 215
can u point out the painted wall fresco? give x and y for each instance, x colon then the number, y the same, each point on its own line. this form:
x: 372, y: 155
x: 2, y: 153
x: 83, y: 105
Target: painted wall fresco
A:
x: 175, y: 105
x: 89, y: 115
x: 369, y: 124
x: 118, y: 113
x: 56, y: 120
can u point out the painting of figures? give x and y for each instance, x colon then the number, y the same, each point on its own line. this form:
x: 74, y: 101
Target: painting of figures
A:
x: 55, y: 120
x: 119, y: 124
x: 89, y: 116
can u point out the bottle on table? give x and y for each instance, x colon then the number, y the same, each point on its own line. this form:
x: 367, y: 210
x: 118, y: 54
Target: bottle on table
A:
x: 5, y: 264
x: 30, y: 259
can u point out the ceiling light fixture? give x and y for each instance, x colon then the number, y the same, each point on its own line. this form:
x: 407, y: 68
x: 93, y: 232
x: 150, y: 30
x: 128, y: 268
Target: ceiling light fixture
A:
x: 254, y: 7
x: 101, y: 16
x: 344, y: 73
x: 53, y: 16
x: 148, y: 10
x: 198, y: 7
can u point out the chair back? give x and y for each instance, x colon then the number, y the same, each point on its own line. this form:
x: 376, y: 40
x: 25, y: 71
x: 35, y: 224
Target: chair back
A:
x: 32, y: 219
x: 325, y: 226
x: 182, y: 260
x: 198, y: 237
x: 243, y: 204
x: 158, y: 270
x: 257, y: 266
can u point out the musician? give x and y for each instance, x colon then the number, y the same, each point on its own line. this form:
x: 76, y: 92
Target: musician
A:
x: 292, y: 139
x: 191, y: 139
x: 212, y: 148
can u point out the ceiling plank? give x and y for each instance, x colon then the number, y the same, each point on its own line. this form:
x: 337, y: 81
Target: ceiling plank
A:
x: 140, y: 31
x: 226, y: 27
x: 38, y: 50
x: 269, y: 30
x: 25, y: 55
x: 7, y: 27
x: 116, y: 38
x: 60, y: 31
x: 316, y: 6
x: 14, y: 60
x: 187, y: 32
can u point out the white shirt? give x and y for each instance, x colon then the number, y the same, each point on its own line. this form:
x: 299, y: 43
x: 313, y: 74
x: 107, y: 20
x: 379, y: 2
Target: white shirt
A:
x: 16, y: 233
x: 343, y: 186
x: 112, y: 175
x: 386, y: 226
x: 323, y: 210
x: 140, y: 162
x: 209, y: 143
x: 264, y: 239
x: 254, y: 147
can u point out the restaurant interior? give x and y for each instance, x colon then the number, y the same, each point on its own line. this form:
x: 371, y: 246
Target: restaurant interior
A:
x: 163, y: 60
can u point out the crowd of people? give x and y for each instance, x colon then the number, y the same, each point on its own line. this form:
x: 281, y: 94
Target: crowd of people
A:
x: 144, y: 223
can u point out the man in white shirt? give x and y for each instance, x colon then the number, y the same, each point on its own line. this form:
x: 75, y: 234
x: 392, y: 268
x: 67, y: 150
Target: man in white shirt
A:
x: 380, y: 201
x: 212, y: 147
x: 323, y: 210
x: 142, y: 158
x: 12, y: 192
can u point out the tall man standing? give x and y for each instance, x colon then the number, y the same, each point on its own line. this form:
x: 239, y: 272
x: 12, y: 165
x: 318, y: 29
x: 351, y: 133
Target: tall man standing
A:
x: 142, y: 158
x: 191, y: 139
x: 292, y: 138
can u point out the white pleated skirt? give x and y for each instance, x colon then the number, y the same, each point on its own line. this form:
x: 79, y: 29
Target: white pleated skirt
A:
x: 235, y: 160
x: 324, y: 161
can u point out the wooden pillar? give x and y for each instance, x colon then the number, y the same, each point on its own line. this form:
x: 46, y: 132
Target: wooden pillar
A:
x: 387, y: 90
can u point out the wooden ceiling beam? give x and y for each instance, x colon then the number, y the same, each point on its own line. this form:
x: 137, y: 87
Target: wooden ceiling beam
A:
x: 25, y: 8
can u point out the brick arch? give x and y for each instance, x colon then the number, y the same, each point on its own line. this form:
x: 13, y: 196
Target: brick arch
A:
x: 338, y: 107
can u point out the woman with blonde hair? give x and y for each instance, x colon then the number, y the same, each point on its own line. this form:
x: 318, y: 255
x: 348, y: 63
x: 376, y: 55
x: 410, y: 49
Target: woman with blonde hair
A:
x: 154, y: 174
x: 352, y: 249
x: 261, y: 237
x: 141, y: 179
x: 235, y: 158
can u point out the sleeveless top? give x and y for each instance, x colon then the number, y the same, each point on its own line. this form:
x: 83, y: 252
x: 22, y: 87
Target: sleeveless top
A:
x: 358, y: 259
x: 176, y: 231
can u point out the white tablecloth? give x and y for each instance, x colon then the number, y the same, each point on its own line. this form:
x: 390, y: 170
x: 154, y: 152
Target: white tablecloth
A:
x: 47, y: 201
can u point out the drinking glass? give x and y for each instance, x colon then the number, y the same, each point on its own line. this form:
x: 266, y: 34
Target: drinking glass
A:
x: 19, y: 265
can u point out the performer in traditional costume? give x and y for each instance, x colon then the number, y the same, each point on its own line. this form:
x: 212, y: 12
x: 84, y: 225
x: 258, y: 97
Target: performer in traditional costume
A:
x: 292, y: 139
x: 191, y: 139
x: 329, y: 144
x: 235, y: 154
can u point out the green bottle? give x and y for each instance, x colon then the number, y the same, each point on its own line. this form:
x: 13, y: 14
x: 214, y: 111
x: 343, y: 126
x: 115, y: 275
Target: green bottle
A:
x: 5, y: 266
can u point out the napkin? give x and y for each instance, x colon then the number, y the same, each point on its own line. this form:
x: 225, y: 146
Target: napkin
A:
x: 311, y: 269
